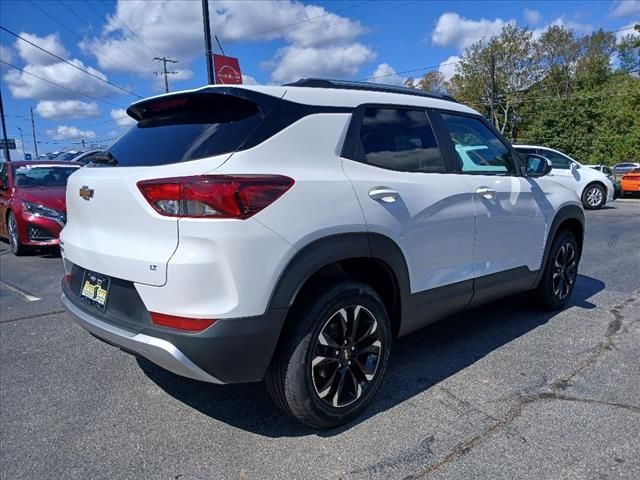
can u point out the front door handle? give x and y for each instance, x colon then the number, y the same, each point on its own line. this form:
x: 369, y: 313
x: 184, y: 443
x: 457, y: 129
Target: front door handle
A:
x: 486, y: 192
x: 384, y: 194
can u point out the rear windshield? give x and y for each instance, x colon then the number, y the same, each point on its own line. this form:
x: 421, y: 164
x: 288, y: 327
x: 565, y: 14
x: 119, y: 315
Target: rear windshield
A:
x: 42, y: 176
x: 187, y: 128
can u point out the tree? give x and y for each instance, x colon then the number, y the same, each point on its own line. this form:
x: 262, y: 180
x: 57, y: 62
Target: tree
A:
x: 513, y: 55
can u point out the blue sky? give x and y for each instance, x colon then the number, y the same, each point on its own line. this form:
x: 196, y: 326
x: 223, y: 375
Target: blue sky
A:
x: 276, y: 41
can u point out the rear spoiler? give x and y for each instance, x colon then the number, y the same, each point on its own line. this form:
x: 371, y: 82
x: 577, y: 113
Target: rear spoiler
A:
x: 202, y: 100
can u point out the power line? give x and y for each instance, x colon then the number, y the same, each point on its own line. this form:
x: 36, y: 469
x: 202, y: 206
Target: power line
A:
x: 284, y: 27
x: 126, y: 26
x: 61, y: 86
x: 82, y: 19
x: 70, y: 63
x: 75, y: 33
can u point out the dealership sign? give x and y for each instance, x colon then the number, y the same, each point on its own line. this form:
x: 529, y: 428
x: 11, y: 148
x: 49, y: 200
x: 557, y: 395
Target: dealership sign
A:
x: 227, y: 70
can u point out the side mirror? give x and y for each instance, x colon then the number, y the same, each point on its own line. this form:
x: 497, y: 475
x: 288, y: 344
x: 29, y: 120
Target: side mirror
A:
x: 537, y: 165
x: 574, y: 166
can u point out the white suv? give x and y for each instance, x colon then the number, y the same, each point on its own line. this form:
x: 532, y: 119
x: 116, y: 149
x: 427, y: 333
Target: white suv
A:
x: 289, y: 233
x: 594, y: 188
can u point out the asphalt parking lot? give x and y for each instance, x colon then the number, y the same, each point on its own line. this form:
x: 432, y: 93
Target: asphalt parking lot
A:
x: 500, y: 392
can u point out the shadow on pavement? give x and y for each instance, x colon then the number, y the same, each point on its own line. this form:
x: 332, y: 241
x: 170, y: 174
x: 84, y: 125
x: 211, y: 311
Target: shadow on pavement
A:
x: 418, y: 362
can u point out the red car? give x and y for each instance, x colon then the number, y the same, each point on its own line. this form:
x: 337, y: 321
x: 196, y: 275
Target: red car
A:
x: 32, y: 202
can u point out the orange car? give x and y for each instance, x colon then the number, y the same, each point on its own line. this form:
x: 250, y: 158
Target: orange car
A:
x: 630, y: 182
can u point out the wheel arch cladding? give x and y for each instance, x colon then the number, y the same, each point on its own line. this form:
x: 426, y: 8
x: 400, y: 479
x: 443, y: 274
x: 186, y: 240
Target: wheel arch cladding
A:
x: 571, y: 218
x: 371, y: 258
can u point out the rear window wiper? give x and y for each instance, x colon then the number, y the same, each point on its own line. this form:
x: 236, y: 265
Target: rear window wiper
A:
x: 104, y: 158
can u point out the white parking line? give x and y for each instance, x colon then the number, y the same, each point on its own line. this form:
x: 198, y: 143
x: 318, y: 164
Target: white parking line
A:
x: 25, y: 295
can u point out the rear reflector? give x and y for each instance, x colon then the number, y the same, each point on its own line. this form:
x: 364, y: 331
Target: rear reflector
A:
x: 214, y: 196
x: 181, y: 323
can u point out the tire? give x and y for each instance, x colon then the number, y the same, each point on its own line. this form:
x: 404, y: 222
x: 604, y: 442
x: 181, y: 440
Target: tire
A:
x: 593, y: 197
x: 305, y: 375
x: 560, y: 273
x: 17, y: 248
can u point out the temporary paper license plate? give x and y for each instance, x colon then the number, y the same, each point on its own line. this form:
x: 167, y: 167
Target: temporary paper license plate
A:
x: 95, y: 289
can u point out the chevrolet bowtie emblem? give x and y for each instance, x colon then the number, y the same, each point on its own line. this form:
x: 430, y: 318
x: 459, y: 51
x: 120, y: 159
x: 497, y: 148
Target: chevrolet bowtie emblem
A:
x: 86, y: 192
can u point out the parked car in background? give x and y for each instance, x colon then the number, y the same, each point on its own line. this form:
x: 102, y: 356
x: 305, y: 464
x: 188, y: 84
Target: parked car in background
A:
x: 619, y: 170
x: 606, y: 169
x: 228, y: 244
x: 32, y: 202
x: 593, y: 187
x: 86, y: 157
x: 67, y: 156
x: 630, y: 182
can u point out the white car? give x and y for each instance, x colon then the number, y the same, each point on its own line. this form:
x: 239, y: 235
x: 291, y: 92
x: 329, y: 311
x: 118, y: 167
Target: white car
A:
x: 593, y: 187
x: 288, y: 233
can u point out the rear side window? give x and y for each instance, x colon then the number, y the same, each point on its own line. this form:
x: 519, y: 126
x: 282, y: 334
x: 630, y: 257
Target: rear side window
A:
x: 479, y: 150
x: 187, y: 128
x: 398, y: 139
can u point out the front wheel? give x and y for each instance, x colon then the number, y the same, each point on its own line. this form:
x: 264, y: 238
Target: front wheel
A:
x: 560, y: 273
x: 14, y: 236
x: 593, y: 197
x: 332, y: 360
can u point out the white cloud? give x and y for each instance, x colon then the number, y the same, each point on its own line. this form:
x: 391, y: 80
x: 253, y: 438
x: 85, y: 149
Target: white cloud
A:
x: 23, y: 85
x: 627, y: 30
x: 55, y: 110
x: 448, y: 67
x: 121, y: 118
x: 63, y: 132
x: 34, y: 56
x: 561, y: 22
x: 454, y: 30
x: 6, y: 54
x: 310, y: 31
x: 249, y: 80
x: 335, y: 62
x: 533, y: 17
x: 625, y: 8
x: 385, y: 73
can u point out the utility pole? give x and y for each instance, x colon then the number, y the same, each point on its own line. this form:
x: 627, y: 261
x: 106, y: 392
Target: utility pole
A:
x: 493, y: 89
x: 22, y: 143
x: 7, y: 156
x: 164, y: 71
x: 33, y: 128
x: 207, y: 41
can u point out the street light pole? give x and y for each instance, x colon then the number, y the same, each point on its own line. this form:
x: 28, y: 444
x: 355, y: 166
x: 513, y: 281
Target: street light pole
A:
x: 22, y: 143
x: 33, y: 129
x: 207, y: 41
x: 7, y: 156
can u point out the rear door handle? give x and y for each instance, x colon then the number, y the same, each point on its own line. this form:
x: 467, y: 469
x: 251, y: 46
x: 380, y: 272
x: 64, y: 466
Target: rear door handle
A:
x: 486, y: 192
x: 384, y: 194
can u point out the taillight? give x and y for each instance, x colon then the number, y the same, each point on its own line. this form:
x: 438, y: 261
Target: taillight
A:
x: 214, y: 196
x: 181, y: 323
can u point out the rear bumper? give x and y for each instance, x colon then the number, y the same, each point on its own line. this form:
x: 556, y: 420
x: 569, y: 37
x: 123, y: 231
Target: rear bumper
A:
x: 159, y: 351
x: 236, y: 350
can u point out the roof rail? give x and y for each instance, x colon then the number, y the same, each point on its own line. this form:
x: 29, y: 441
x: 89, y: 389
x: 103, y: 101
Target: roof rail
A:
x: 373, y: 87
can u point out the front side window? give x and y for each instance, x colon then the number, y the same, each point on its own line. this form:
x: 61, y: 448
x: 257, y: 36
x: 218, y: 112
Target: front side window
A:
x: 398, y: 139
x: 558, y: 160
x: 478, y: 149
